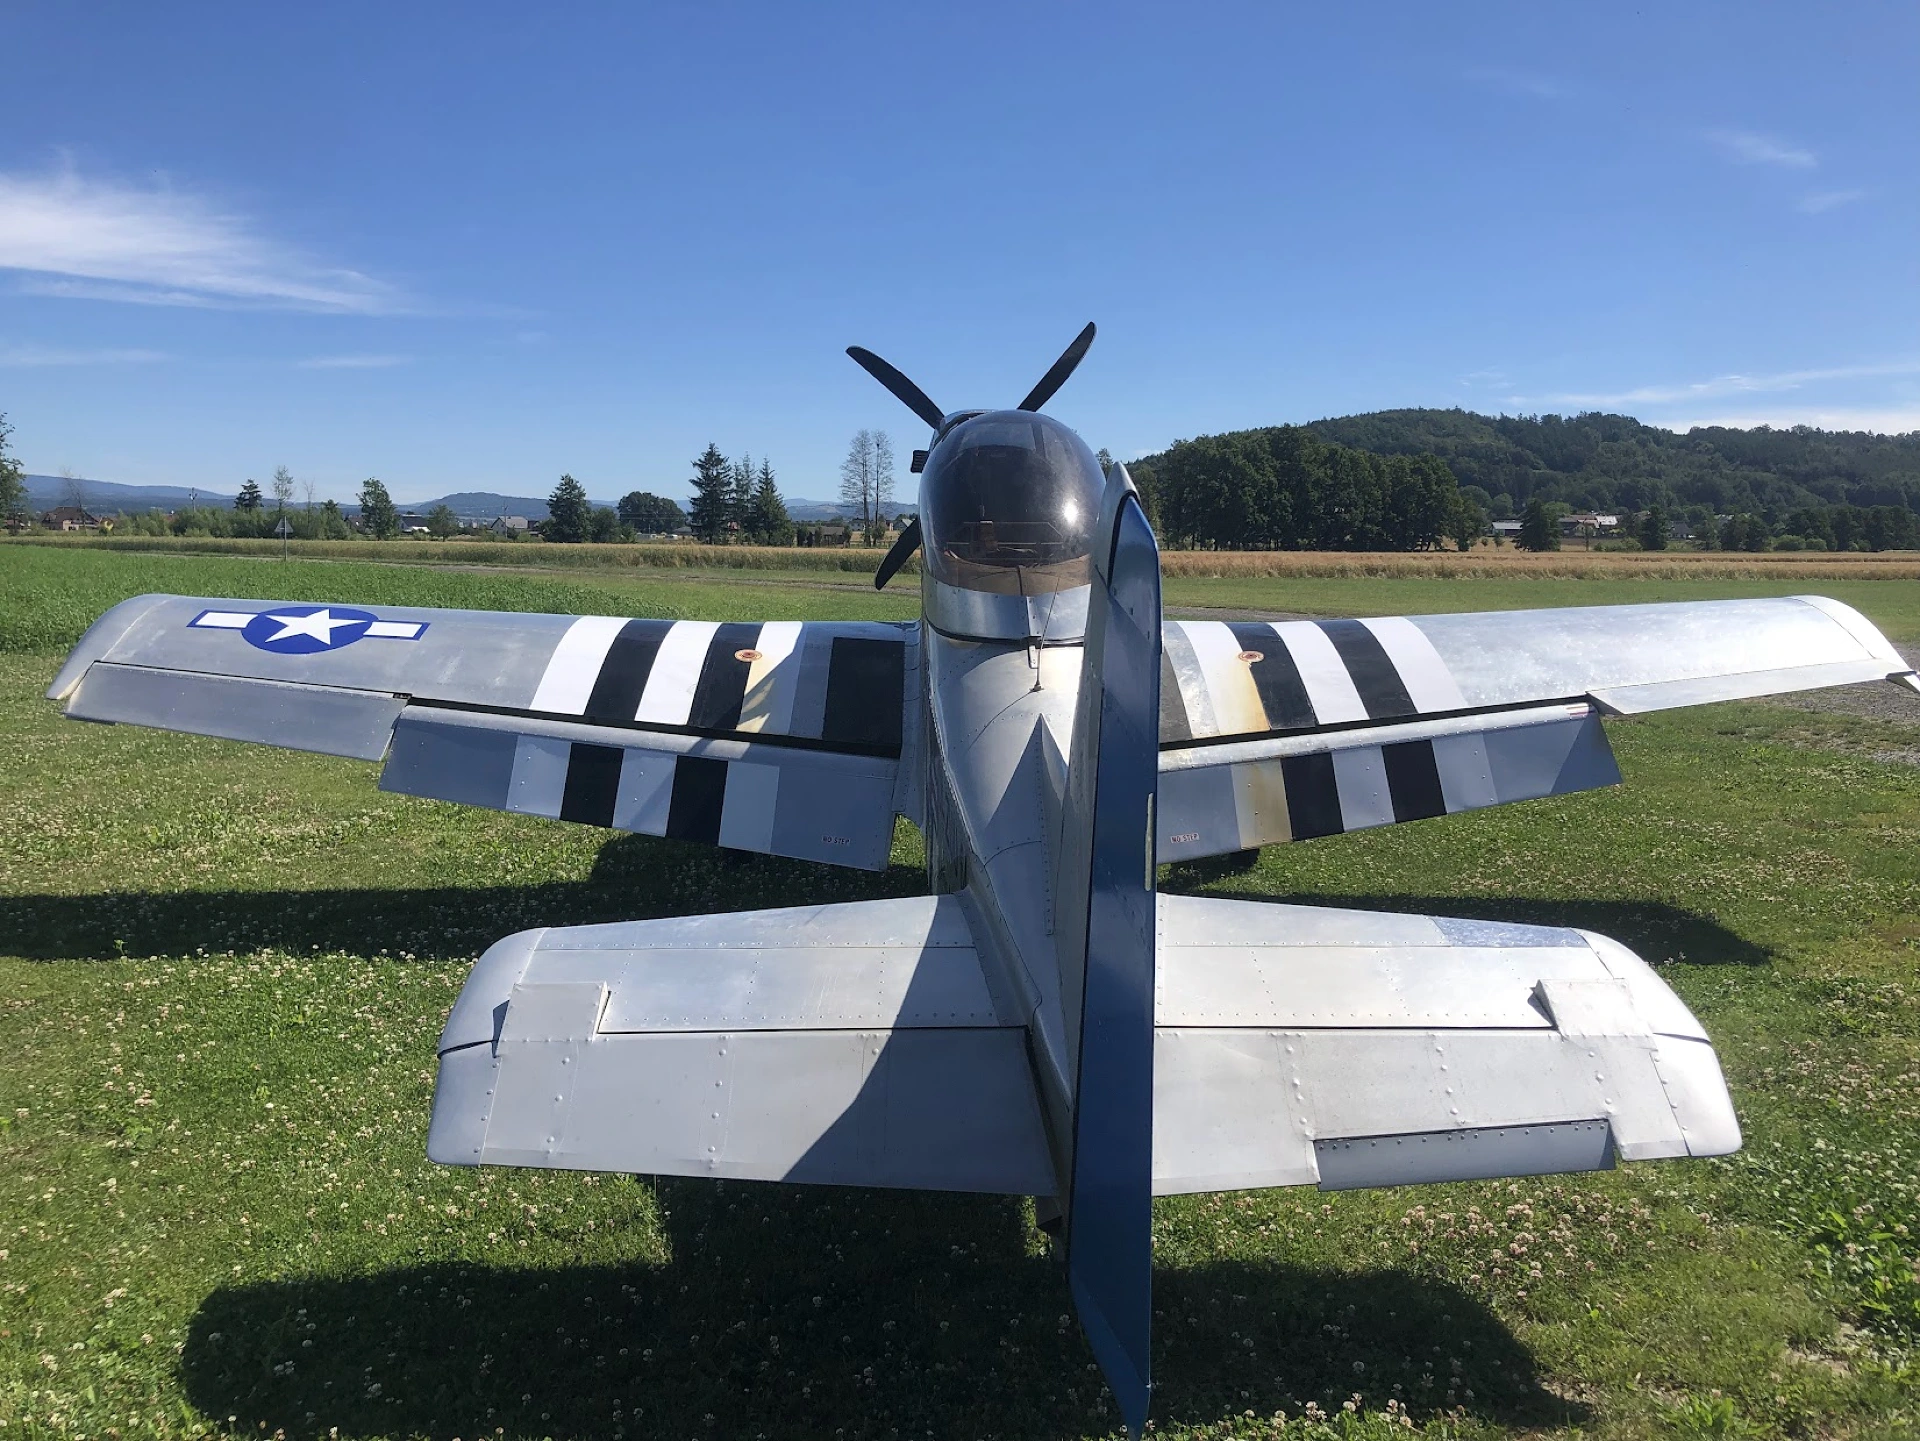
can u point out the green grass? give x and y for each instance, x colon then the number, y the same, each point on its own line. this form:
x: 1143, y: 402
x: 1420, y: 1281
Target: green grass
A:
x: 224, y: 970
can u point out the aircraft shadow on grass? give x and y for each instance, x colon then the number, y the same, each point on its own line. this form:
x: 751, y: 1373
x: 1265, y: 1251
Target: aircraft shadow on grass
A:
x: 636, y: 877
x: 787, y: 1311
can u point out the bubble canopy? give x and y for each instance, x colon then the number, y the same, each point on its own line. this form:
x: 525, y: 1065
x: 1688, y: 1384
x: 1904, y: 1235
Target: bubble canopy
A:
x: 1009, y: 501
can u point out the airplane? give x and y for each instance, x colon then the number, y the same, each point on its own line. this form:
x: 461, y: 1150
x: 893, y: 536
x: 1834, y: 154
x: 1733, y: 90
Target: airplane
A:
x: 1043, y: 1022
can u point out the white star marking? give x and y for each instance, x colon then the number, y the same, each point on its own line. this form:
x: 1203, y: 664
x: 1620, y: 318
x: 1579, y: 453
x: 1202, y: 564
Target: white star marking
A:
x: 320, y: 625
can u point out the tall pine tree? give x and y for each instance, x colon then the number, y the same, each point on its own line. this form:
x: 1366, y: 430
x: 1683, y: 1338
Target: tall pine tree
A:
x: 740, y: 499
x: 768, y: 522
x: 249, y: 498
x: 569, y: 512
x: 712, y: 495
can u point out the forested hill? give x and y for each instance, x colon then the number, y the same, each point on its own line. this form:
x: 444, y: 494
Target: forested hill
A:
x: 1613, y: 462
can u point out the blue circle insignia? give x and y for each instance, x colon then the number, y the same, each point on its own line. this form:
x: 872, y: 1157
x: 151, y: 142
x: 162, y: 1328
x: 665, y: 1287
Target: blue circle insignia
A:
x: 304, y: 629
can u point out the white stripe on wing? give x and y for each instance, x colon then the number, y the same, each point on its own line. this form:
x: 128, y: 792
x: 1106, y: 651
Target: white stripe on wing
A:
x: 575, y: 665
x: 1329, y: 687
x: 1430, y: 685
x: 668, y: 698
x: 772, y: 679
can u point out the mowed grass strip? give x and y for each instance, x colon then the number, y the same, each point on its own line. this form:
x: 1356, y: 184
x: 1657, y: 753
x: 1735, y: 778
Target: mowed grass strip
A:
x: 225, y: 969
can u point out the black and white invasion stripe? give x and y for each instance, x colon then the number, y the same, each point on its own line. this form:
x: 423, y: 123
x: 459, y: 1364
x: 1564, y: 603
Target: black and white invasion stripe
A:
x: 1231, y: 678
x: 842, y: 684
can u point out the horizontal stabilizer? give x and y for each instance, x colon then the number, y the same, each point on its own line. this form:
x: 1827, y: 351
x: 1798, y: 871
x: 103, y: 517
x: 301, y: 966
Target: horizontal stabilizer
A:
x: 848, y: 1044
x: 1304, y: 1046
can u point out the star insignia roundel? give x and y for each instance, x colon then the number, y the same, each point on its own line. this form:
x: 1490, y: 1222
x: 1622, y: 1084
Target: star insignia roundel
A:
x: 305, y: 629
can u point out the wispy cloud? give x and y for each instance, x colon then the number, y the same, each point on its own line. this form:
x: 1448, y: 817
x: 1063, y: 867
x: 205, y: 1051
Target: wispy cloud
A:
x: 38, y: 355
x: 1747, y: 147
x: 1722, y: 385
x: 1823, y: 200
x: 355, y: 362
x: 1517, y: 82
x: 104, y: 240
x: 1476, y: 379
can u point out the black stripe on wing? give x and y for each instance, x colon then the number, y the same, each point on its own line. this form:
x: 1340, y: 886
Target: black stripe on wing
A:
x: 623, y: 674
x: 1381, y: 690
x: 722, y: 687
x: 593, y: 783
x: 1283, y: 694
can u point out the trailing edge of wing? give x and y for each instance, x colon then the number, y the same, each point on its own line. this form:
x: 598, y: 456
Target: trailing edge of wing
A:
x: 1237, y: 795
x: 813, y: 805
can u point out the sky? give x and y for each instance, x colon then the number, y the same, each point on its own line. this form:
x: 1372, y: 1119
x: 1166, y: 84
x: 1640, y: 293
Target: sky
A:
x: 470, y: 247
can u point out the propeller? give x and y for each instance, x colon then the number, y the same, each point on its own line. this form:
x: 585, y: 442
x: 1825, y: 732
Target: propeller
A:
x: 1062, y: 368
x: 904, y: 546
x: 916, y: 400
x: 909, y: 394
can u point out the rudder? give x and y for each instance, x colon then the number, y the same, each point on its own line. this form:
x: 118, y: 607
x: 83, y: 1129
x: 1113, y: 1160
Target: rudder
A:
x: 1107, y: 959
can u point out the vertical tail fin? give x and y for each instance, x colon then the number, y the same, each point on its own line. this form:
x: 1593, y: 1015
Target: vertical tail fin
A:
x: 1106, y: 938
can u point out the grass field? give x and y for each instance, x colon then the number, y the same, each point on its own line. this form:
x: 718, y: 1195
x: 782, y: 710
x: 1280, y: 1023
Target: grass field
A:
x: 222, y: 971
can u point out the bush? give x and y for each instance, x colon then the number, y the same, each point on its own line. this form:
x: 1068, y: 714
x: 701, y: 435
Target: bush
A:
x: 1789, y: 542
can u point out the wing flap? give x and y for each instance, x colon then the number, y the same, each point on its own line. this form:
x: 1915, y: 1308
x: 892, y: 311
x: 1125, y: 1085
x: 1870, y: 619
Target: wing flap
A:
x: 849, y: 1045
x: 804, y: 802
x: 1704, y: 690
x: 1235, y: 795
x: 300, y: 717
x: 1299, y: 1046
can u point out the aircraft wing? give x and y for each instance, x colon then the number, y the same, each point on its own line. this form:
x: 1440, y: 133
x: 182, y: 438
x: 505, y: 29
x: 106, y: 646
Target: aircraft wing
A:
x: 854, y: 1044
x: 1302, y: 1046
x: 1294, y: 729
x: 785, y: 737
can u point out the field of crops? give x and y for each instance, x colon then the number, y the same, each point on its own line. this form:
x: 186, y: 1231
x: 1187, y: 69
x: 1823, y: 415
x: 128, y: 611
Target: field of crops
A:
x: 223, y: 969
x: 1484, y: 560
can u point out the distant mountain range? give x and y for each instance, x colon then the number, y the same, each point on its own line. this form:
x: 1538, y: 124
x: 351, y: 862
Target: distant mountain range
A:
x: 46, y: 491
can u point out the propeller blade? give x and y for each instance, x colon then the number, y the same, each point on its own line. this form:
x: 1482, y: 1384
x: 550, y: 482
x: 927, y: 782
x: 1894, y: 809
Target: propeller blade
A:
x: 911, y: 395
x: 1062, y: 368
x: 903, y: 549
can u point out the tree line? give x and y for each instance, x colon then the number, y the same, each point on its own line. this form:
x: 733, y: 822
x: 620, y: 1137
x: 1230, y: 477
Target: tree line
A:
x: 1829, y: 527
x: 1614, y: 463
x: 1285, y: 488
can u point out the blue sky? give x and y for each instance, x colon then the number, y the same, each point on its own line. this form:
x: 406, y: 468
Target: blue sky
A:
x: 468, y: 247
